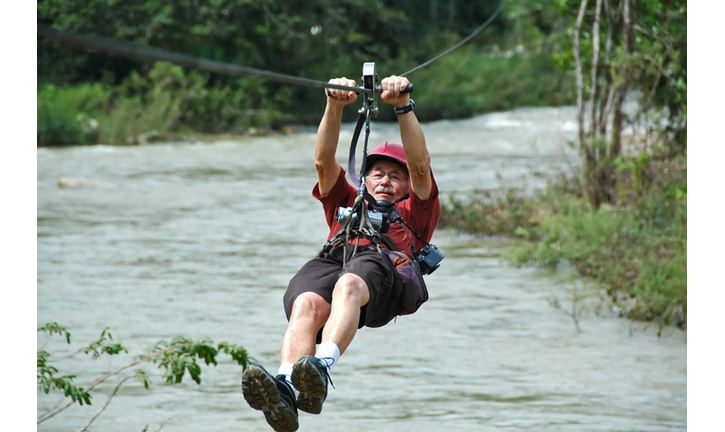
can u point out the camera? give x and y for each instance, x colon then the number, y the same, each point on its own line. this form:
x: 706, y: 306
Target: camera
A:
x: 429, y: 259
x: 380, y: 220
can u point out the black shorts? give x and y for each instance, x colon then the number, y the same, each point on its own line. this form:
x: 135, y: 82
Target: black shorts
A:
x: 320, y: 275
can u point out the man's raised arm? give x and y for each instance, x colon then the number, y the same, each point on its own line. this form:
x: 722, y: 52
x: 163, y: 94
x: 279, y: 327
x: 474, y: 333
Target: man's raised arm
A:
x: 328, y: 134
x: 411, y: 135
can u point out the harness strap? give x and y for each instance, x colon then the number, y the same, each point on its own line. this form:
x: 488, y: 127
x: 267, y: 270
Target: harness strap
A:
x: 353, y: 145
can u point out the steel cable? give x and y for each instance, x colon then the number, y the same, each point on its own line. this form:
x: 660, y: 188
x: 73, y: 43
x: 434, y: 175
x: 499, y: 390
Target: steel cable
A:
x: 134, y: 51
x: 456, y: 46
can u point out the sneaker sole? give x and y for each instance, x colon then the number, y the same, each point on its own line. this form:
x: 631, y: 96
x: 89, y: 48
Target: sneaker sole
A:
x: 260, y: 392
x: 311, y: 385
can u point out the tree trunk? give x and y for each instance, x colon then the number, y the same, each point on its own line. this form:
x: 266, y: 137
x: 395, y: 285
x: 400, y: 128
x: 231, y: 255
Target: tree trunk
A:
x: 606, y: 94
x: 579, y: 76
x: 623, y: 88
x: 594, y: 91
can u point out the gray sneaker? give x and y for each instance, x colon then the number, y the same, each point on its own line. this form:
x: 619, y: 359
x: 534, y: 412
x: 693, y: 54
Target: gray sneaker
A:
x: 271, y: 395
x: 310, y: 377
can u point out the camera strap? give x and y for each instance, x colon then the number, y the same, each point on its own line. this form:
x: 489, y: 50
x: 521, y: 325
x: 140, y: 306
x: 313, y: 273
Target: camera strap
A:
x: 395, y: 216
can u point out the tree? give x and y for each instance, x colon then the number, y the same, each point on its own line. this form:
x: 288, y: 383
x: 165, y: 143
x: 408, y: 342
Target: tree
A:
x: 619, y: 49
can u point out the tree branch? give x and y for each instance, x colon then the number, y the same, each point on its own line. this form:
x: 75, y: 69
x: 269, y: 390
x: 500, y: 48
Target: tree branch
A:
x: 103, y: 378
x: 85, y: 428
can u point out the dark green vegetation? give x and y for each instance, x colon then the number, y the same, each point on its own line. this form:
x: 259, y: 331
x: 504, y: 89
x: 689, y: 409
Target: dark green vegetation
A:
x: 623, y: 219
x: 176, y: 358
x: 87, y: 97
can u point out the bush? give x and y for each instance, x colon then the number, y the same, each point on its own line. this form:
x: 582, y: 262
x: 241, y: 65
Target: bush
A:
x: 167, y: 99
x: 69, y: 115
x: 176, y: 358
x: 495, y: 212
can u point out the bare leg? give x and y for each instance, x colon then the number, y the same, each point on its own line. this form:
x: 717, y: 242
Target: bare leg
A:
x: 309, y: 314
x: 309, y: 376
x: 350, y: 294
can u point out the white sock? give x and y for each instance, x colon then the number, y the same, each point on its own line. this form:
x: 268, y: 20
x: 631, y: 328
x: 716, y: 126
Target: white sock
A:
x: 328, y: 353
x: 286, y: 370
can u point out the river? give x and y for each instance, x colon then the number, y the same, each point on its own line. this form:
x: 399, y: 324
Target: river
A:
x: 200, y: 240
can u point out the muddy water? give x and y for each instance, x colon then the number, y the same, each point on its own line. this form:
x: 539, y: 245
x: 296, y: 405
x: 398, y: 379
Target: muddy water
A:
x: 200, y: 239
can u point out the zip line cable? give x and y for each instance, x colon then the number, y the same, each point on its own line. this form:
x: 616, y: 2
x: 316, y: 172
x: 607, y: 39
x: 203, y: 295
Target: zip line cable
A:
x: 134, y: 51
x: 456, y: 46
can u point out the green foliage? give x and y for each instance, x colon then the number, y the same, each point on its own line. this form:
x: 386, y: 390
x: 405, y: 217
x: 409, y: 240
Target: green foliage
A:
x: 636, y: 167
x: 47, y: 381
x: 176, y: 358
x: 503, y: 211
x: 549, y: 252
x: 167, y: 99
x: 286, y: 36
x: 282, y: 36
x: 54, y: 328
x: 98, y: 347
x: 469, y: 81
x: 183, y: 357
x: 47, y: 374
x: 64, y: 114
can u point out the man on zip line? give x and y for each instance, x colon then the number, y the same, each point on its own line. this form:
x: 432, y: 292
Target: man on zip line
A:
x: 351, y: 283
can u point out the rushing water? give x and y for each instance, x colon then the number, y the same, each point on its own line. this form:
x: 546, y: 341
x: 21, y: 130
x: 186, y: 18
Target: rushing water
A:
x: 200, y: 240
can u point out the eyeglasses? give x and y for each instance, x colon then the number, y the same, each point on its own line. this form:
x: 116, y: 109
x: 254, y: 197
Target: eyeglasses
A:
x: 378, y: 176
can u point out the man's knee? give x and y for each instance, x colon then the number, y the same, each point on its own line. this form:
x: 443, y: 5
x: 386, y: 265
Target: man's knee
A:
x: 311, y: 306
x: 352, y: 286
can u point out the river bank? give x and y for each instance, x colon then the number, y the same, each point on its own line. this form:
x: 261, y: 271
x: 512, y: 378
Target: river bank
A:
x: 636, y: 248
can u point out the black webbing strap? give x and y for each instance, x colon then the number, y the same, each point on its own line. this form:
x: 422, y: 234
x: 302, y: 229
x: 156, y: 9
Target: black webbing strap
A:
x: 353, y: 146
x: 397, y: 218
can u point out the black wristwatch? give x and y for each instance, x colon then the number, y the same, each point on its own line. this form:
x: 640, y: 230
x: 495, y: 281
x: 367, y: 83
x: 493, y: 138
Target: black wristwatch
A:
x: 406, y: 109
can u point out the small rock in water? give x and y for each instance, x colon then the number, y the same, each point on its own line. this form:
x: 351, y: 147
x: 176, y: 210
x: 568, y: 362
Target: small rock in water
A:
x: 69, y: 182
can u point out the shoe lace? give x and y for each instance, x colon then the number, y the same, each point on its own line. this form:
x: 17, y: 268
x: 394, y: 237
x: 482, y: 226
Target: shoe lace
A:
x: 324, y: 364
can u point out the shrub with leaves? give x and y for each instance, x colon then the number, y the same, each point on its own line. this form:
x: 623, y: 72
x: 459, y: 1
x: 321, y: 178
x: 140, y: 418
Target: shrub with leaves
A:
x: 175, y: 357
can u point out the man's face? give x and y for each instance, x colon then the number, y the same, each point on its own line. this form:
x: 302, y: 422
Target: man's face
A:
x: 387, y: 181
